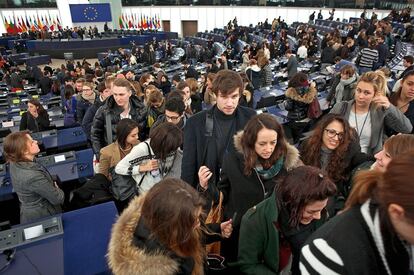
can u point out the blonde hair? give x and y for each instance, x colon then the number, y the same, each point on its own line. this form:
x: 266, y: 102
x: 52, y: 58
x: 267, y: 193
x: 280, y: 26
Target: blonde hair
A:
x: 378, y: 80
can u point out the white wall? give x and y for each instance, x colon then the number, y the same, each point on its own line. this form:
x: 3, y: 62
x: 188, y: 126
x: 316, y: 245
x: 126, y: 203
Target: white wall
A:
x: 210, y: 17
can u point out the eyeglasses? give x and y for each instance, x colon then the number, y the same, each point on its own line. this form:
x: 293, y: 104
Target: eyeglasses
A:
x: 332, y: 133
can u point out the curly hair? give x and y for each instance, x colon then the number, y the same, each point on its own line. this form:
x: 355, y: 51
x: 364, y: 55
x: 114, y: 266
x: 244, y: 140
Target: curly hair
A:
x: 311, y: 151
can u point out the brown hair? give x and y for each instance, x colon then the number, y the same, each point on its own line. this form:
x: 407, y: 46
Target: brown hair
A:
x: 395, y: 96
x: 172, y: 223
x: 15, y: 145
x: 226, y: 82
x: 399, y: 144
x: 301, y: 186
x: 248, y: 141
x: 89, y: 84
x: 192, y: 84
x: 183, y: 84
x: 211, y: 76
x: 144, y: 79
x: 80, y: 80
x: 137, y: 88
x: 348, y: 70
x: 392, y: 186
x: 108, y: 81
x: 122, y: 82
x: 39, y: 106
x: 155, y: 96
x: 165, y: 139
x: 311, y: 151
x: 376, y: 79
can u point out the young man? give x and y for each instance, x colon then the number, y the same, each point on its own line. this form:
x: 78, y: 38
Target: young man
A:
x: 292, y: 64
x: 174, y: 113
x: 208, y: 135
x: 408, y: 62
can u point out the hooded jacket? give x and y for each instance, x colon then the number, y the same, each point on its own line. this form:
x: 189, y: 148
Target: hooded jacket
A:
x: 297, y: 104
x: 127, y: 258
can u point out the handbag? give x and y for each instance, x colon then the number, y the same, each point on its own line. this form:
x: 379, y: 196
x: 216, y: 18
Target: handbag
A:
x: 314, y: 110
x: 215, y: 216
x: 124, y: 187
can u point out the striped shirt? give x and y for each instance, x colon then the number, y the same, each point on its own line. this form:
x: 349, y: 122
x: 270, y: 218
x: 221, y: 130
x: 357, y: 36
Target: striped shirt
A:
x: 368, y: 57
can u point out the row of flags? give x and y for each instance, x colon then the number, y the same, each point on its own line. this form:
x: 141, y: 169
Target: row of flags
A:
x: 134, y: 21
x: 19, y: 24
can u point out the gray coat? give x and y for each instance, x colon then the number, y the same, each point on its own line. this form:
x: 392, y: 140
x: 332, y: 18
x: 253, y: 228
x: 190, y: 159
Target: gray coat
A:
x: 36, y: 191
x: 391, y: 117
x: 292, y: 66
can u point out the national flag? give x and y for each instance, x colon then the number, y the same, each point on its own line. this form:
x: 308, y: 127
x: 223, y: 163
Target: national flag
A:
x: 130, y: 25
x: 121, y: 23
x: 145, y: 25
x: 7, y: 26
x: 39, y: 23
x: 28, y: 23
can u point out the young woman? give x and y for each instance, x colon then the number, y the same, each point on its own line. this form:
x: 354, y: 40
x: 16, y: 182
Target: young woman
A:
x: 343, y: 87
x: 196, y: 102
x: 210, y: 98
x: 154, y: 159
x: 38, y: 194
x: 249, y: 175
x: 36, y: 118
x: 403, y: 99
x: 287, y: 218
x: 394, y: 147
x: 126, y: 139
x: 159, y: 232
x: 370, y: 111
x: 70, y: 103
x: 334, y: 147
x: 376, y: 233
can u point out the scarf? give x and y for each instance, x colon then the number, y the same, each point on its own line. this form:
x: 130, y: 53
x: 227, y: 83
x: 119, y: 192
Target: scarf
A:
x: 272, y: 171
x: 341, y: 87
x: 325, y: 156
x: 90, y: 98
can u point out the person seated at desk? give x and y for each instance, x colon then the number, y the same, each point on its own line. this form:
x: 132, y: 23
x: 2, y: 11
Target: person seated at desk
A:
x: 35, y: 119
x: 38, y: 193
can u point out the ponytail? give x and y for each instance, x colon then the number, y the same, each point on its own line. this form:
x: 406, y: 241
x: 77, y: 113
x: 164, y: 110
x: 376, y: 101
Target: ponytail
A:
x: 365, y: 184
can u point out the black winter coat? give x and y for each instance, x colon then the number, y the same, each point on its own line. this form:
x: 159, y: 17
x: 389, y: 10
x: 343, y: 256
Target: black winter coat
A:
x: 98, y: 131
x: 82, y: 106
x: 195, y: 141
x: 89, y: 115
x: 28, y: 122
x: 297, y: 105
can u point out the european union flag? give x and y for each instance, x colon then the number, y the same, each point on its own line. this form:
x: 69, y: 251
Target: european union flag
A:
x: 90, y: 12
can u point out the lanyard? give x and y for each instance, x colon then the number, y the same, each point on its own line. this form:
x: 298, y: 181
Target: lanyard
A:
x: 363, y: 125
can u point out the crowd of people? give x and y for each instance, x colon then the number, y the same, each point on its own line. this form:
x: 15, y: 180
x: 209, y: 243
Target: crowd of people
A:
x: 194, y: 170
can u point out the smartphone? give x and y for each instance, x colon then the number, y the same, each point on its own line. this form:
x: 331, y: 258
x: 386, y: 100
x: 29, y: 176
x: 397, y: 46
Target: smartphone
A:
x: 234, y: 217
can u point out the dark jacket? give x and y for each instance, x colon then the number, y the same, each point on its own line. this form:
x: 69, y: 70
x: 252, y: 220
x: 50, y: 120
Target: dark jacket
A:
x: 196, y: 103
x: 297, y: 105
x: 195, y: 142
x: 190, y: 72
x: 89, y: 115
x: 266, y: 76
x: 28, y: 122
x: 98, y: 131
x: 358, y: 252
x: 328, y: 55
x: 409, y: 114
x: 36, y: 191
x: 82, y: 106
x: 16, y: 81
x: 131, y: 251
x: 254, y: 75
x: 45, y: 84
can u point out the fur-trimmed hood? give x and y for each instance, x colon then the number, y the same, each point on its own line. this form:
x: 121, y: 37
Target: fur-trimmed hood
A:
x: 292, y: 158
x: 124, y: 258
x: 307, y: 98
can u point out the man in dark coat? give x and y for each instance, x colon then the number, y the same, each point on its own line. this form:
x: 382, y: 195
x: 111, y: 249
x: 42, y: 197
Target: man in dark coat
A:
x: 45, y: 83
x: 122, y: 104
x: 16, y: 80
x: 208, y: 135
x: 292, y: 64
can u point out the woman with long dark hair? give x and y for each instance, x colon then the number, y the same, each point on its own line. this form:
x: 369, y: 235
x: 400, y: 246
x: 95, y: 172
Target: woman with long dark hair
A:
x: 375, y: 234
x: 249, y: 175
x: 334, y: 147
x: 36, y: 118
x: 159, y: 233
x: 284, y: 220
